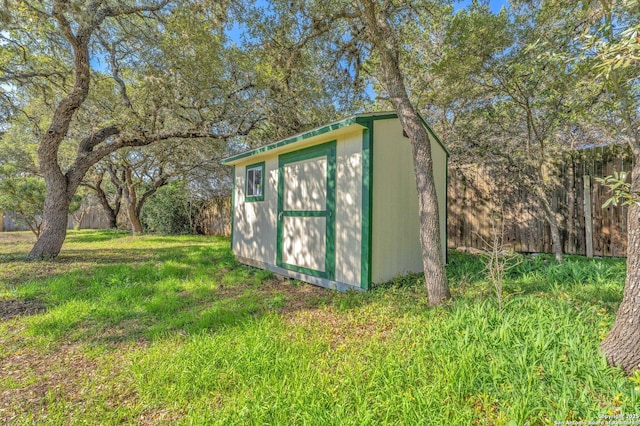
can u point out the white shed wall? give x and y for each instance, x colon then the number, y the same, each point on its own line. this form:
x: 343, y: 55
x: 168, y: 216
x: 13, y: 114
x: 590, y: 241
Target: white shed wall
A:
x: 349, y: 209
x: 396, y: 224
x: 255, y: 232
x: 255, y: 226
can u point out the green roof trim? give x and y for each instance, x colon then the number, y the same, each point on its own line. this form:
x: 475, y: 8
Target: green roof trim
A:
x: 432, y: 133
x: 297, y: 138
x: 361, y: 119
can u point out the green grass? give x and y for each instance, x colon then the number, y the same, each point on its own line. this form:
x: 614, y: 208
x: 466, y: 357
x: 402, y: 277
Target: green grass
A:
x: 166, y: 330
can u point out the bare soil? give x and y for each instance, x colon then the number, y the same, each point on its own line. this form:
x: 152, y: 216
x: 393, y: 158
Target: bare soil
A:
x: 14, y: 308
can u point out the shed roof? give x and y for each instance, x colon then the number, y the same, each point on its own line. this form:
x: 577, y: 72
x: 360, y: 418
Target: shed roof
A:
x: 321, y: 133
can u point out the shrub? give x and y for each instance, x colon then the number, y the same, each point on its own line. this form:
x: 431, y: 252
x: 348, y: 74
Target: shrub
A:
x: 171, y: 210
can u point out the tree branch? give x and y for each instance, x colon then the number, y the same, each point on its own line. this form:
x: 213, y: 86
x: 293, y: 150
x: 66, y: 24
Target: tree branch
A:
x: 115, y: 70
x: 91, y: 141
x: 13, y: 76
x: 162, y: 180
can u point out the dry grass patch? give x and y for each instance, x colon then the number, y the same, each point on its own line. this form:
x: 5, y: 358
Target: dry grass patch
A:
x: 10, y: 242
x: 31, y: 379
x: 339, y: 329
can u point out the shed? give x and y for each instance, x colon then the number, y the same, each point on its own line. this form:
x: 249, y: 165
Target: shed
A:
x: 335, y: 206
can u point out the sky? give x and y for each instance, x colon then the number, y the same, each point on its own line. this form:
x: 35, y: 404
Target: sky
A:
x: 494, y: 5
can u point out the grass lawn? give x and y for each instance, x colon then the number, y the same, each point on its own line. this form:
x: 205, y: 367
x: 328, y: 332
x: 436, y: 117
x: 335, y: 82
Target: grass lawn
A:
x: 166, y: 330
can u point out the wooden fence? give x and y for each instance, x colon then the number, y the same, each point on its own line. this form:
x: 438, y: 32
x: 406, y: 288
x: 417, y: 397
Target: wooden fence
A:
x: 215, y: 217
x: 93, y: 218
x: 475, y: 200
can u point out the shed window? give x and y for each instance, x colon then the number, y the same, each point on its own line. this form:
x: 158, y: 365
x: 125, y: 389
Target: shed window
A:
x: 254, y: 182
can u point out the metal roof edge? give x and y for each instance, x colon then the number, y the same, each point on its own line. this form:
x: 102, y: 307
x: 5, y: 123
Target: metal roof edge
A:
x: 292, y: 139
x: 353, y: 119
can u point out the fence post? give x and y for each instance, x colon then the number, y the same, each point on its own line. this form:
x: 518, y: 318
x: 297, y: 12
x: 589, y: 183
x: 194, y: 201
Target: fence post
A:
x: 588, y: 220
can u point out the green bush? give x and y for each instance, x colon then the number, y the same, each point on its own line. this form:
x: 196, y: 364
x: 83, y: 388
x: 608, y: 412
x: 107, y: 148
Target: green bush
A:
x: 170, y: 211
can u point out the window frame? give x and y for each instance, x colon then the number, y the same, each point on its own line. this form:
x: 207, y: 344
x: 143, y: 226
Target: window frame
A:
x: 259, y: 197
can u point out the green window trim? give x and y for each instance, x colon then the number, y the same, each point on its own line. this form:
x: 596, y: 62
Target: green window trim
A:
x: 259, y: 186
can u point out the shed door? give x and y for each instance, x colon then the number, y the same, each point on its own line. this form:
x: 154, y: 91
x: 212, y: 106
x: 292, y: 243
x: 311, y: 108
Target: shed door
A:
x: 306, y: 210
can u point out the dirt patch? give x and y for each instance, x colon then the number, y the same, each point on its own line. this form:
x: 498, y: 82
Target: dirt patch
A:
x: 299, y: 297
x: 338, y: 329
x: 14, y: 308
x: 34, y: 378
x: 17, y: 238
x: 31, y: 382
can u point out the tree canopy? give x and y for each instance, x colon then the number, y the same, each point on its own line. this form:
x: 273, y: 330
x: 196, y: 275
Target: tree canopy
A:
x: 89, y: 79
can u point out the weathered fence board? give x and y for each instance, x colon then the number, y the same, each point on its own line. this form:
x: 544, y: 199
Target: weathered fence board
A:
x: 215, y: 218
x: 475, y: 198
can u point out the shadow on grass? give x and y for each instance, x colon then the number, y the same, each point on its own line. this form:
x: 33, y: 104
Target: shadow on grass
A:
x: 18, y: 270
x: 112, y: 295
x: 118, y: 296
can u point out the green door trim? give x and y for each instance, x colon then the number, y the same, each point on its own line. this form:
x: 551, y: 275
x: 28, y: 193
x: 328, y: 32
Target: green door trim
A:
x: 367, y: 205
x: 232, y: 209
x: 329, y: 150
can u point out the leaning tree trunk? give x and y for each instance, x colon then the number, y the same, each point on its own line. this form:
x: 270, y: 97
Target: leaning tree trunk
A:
x: 131, y: 198
x: 111, y: 213
x: 622, y: 344
x: 57, y: 198
x: 430, y: 240
x: 384, y: 39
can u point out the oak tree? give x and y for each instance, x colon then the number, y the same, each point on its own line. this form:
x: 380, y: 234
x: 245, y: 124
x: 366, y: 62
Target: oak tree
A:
x: 367, y: 35
x: 52, y: 51
x: 612, y: 48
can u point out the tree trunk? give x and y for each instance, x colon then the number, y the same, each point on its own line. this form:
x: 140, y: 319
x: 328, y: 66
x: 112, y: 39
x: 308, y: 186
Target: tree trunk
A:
x: 57, y: 198
x: 111, y: 213
x: 432, y: 256
x: 54, y: 220
x: 113, y: 219
x: 79, y: 217
x: 131, y: 197
x: 384, y: 39
x: 136, y: 223
x: 622, y: 345
x: 552, y: 220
